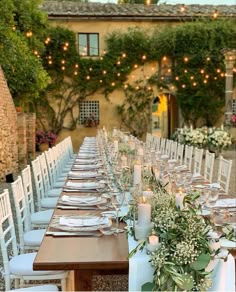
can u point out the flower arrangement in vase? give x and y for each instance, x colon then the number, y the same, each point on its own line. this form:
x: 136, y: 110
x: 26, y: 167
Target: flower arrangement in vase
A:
x: 45, y: 137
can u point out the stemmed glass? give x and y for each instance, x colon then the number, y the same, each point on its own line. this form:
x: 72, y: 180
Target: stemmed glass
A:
x: 117, y: 200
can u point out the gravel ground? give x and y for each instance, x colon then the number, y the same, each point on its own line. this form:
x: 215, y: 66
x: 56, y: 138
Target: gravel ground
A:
x: 120, y: 282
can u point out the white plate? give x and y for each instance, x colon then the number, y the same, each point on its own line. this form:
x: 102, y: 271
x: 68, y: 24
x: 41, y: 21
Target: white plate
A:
x: 227, y: 243
x: 99, y: 201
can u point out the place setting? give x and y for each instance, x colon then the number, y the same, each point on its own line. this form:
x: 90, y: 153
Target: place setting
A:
x: 88, y: 186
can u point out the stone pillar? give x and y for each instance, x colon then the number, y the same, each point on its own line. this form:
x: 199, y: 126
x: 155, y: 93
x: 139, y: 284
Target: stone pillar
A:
x: 30, y: 135
x: 230, y: 58
x: 22, y: 145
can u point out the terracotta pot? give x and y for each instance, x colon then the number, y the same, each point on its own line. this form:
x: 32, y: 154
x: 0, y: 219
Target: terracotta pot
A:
x: 43, y: 147
x: 18, y: 109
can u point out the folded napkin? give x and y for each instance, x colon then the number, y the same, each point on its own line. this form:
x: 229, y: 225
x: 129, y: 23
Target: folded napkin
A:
x: 82, y: 174
x: 81, y: 199
x: 214, y: 185
x: 196, y: 175
x: 83, y: 185
x: 84, y: 221
x: 224, y: 203
x: 86, y: 155
x: 85, y: 161
x: 181, y: 167
x: 86, y: 166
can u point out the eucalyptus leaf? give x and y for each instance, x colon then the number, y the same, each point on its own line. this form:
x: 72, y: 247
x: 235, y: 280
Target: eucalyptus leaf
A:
x: 185, y: 282
x: 201, y: 262
x: 147, y: 286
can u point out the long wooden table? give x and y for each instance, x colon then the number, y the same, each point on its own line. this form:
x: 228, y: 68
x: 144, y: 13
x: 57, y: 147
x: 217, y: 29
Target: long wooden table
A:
x: 86, y: 256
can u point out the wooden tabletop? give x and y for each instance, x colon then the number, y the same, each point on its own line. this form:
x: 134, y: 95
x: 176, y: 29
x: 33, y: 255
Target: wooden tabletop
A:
x: 84, y: 255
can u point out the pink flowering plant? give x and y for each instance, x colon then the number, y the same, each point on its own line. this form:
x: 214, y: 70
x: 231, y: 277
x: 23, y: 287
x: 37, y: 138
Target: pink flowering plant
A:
x: 47, y: 137
x: 233, y: 119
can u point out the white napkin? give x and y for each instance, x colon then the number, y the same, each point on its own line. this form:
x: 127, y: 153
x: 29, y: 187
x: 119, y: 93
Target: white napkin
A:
x: 225, y: 203
x: 81, y: 199
x: 83, y: 185
x: 93, y: 221
x: 86, y: 166
x: 181, y: 167
x: 82, y: 174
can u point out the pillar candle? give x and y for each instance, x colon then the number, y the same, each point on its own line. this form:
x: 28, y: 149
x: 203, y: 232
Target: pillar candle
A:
x: 137, y: 174
x: 116, y: 146
x: 148, y: 193
x: 144, y: 214
x: 179, y: 198
x: 124, y: 161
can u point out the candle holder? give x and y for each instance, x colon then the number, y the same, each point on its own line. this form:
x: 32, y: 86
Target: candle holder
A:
x: 141, y: 231
x: 152, y: 243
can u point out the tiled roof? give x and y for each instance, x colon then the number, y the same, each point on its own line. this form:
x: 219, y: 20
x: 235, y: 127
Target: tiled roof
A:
x: 108, y: 10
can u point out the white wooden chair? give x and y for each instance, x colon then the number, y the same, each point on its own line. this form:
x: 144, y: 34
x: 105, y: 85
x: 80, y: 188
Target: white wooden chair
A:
x: 209, y: 165
x: 52, y: 187
x: 38, y: 219
x: 28, y: 239
x: 149, y: 139
x: 173, y: 150
x: 180, y: 153
x: 197, y: 160
x: 45, y: 288
x: 43, y: 201
x: 157, y: 143
x: 163, y: 145
x: 19, y: 268
x: 224, y: 173
x: 168, y: 147
x: 188, y: 156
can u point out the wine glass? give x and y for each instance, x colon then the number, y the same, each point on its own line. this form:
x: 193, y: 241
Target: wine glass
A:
x: 117, y: 200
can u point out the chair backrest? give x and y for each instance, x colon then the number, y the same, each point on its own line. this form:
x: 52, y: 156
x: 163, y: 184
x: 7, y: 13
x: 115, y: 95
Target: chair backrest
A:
x: 173, y: 150
x: 197, y: 160
x: 188, y: 156
x: 45, y: 175
x: 224, y: 173
x: 38, y: 179
x: 51, y: 165
x: 168, y: 147
x: 209, y: 165
x: 180, y: 153
x: 163, y: 145
x: 22, y: 212
x: 149, y: 139
x: 7, y: 233
x: 157, y: 143
x: 28, y: 188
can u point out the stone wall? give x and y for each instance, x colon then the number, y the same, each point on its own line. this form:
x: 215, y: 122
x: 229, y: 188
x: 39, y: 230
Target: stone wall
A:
x: 8, y: 131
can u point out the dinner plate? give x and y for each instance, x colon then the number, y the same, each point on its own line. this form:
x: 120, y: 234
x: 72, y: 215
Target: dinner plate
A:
x: 227, y: 243
x: 103, y: 223
x: 71, y: 201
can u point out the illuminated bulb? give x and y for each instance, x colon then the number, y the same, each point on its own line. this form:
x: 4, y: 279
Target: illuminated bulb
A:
x: 218, y: 70
x: 118, y: 62
x: 183, y: 85
x: 38, y: 56
x: 162, y: 77
x: 148, y: 2
x: 207, y: 76
x: 90, y: 69
x: 176, y: 78
x: 66, y: 44
x: 36, y: 52
x: 113, y: 84
x: 104, y: 72
x: 13, y: 28
x: 137, y: 87
x: 215, y: 14
x: 147, y: 77
x: 149, y: 88
x: 63, y: 68
x: 161, y: 88
x: 101, y: 58
x: 194, y: 83
x: 205, y: 81
x: 164, y: 58
x: 230, y: 58
x: 182, y: 8
x: 144, y: 57
x: 49, y: 57
x: 172, y: 88
x: 135, y: 66
x: 153, y: 68
x: 50, y: 62
x: 222, y: 75
x: 100, y: 80
x: 185, y: 71
x: 76, y: 66
x: 104, y: 52
x: 202, y: 71
x: 75, y: 73
x: 215, y: 78
x: 65, y: 48
x: 125, y: 86
x: 88, y: 77
x: 124, y: 55
x: 118, y: 74
x: 133, y: 76
x: 234, y: 69
x: 185, y: 59
x: 63, y: 61
x: 208, y: 58
x: 191, y: 77
x: 48, y: 39
x: 169, y: 70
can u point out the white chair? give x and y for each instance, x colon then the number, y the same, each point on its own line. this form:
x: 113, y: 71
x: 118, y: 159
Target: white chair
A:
x: 163, y: 145
x: 188, y: 156
x: 45, y: 288
x: 19, y: 268
x: 209, y: 165
x: 197, y: 160
x: 149, y: 139
x: 180, y: 153
x: 28, y: 239
x: 38, y: 219
x: 51, y: 187
x: 157, y: 143
x: 168, y: 147
x: 224, y: 173
x: 43, y: 201
x: 173, y: 150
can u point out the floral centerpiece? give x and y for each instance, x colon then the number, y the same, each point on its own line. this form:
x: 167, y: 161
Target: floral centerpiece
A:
x: 233, y: 119
x: 219, y: 140
x: 91, y: 121
x: 47, y: 137
x: 195, y: 137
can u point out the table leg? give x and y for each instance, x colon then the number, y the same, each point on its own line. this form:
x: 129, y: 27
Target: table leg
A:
x: 82, y: 280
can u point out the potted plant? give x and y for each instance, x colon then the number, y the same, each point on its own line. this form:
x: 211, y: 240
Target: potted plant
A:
x: 45, y: 139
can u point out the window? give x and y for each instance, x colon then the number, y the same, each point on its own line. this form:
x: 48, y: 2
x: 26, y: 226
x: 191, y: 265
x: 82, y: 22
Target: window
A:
x: 88, y: 44
x: 89, y: 113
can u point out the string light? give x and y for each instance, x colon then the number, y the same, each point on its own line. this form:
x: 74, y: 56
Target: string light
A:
x: 194, y: 83
x: 144, y: 57
x: 215, y: 14
x: 88, y: 77
x: 208, y: 59
x: 75, y: 73
x: 191, y: 77
x: 100, y: 81
x: 182, y: 8
x: 186, y: 59
x: 76, y: 66
x: 176, y: 78
x: 63, y: 61
x: 104, y: 72
x: 164, y: 58
x: 63, y: 68
x: 202, y: 71
x: 118, y: 62
x: 205, y: 81
x: 185, y: 71
x: 29, y: 34
x: 207, y: 76
x: 135, y: 66
x: 113, y: 84
x: 183, y: 85
x: 124, y: 55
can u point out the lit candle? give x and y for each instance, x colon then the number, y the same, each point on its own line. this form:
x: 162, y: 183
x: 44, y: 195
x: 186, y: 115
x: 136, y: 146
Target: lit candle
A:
x: 124, y: 161
x: 179, y: 198
x: 144, y: 214
x: 137, y: 174
x: 153, y: 243
x: 116, y: 146
x: 147, y: 193
x: 222, y: 127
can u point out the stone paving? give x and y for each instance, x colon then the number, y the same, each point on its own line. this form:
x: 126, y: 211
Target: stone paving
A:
x: 120, y: 282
